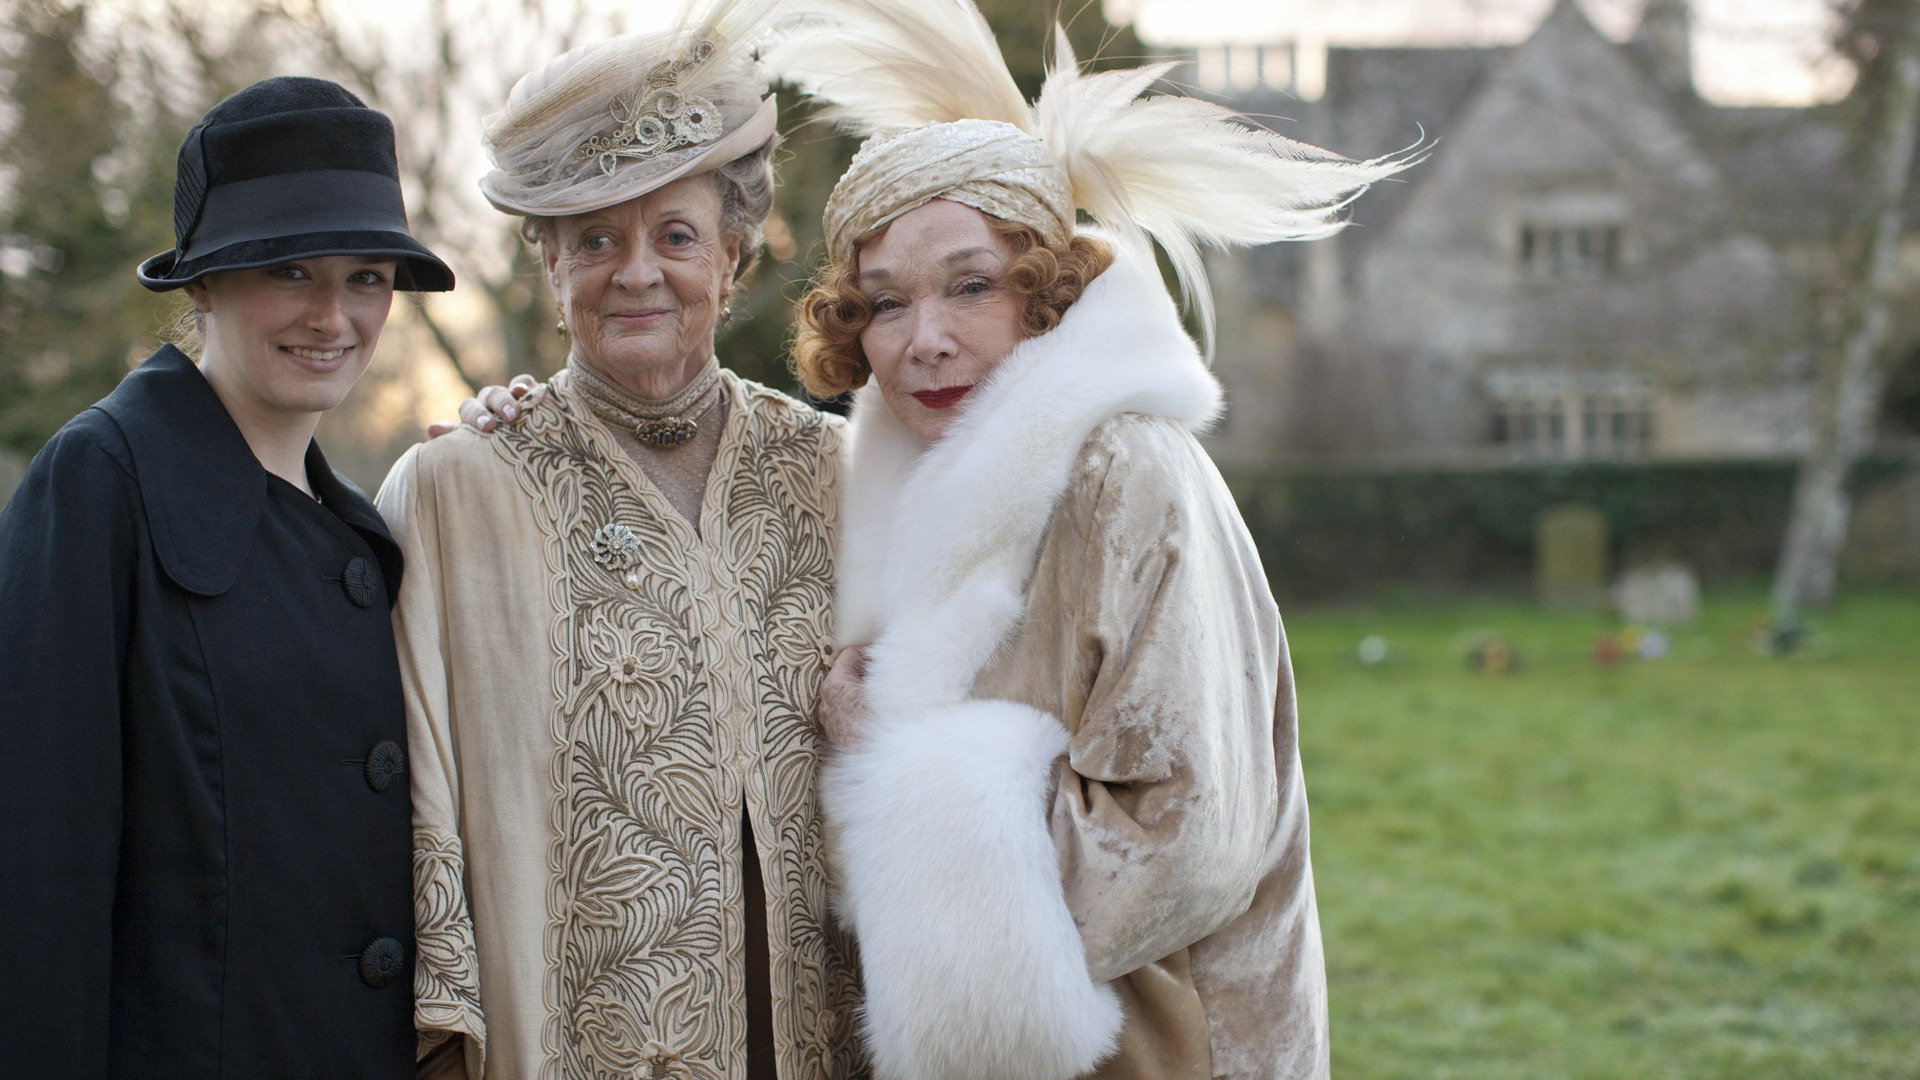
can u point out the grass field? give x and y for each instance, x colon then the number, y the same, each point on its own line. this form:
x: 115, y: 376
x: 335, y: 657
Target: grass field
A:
x: 1705, y: 866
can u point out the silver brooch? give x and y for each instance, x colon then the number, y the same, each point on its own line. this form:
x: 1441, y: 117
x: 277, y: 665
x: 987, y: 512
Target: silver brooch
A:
x: 661, y: 118
x: 616, y: 547
x: 666, y: 431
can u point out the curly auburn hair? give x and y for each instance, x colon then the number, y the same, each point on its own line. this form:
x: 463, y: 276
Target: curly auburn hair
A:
x: 826, y: 350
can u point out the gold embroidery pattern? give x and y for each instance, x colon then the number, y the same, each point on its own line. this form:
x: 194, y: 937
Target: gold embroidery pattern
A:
x: 446, y: 972
x: 643, y: 937
x: 637, y: 892
x: 778, y: 506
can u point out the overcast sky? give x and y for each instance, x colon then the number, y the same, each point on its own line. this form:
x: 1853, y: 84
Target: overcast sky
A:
x: 1745, y: 51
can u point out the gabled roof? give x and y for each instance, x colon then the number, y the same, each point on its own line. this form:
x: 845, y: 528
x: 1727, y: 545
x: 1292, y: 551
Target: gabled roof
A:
x: 1378, y: 101
x: 1787, y: 167
x: 1381, y: 100
x: 1566, y: 74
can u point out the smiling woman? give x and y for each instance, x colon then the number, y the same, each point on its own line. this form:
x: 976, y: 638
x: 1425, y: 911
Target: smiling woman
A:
x: 1066, y: 813
x: 283, y: 344
x: 918, y: 279
x: 627, y: 580
x: 641, y: 284
x: 204, y: 846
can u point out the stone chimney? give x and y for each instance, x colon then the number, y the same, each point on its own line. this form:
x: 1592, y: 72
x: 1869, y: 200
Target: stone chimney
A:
x: 1664, y: 42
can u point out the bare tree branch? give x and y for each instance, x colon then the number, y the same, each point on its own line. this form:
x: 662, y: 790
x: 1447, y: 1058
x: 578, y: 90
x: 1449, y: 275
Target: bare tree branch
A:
x: 1847, y: 394
x: 445, y: 343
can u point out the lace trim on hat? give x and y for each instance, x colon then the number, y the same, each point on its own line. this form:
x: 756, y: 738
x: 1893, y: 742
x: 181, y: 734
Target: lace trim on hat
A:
x: 661, y: 118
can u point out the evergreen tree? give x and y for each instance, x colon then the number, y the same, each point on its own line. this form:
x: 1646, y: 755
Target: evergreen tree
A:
x: 83, y: 206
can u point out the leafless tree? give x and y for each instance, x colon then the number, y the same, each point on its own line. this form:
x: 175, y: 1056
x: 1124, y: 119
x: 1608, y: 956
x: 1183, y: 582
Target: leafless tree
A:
x: 438, y: 80
x: 437, y: 68
x: 1849, y: 378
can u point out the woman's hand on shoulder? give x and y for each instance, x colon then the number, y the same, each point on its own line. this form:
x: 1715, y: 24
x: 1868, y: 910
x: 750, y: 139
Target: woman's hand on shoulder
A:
x: 488, y: 409
x: 841, y: 709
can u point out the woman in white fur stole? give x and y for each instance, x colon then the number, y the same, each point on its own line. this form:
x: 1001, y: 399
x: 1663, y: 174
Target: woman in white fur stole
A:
x: 1068, y: 822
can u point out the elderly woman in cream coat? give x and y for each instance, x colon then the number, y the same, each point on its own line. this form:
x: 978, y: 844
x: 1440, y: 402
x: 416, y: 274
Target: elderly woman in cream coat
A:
x: 1068, y: 820
x: 617, y: 618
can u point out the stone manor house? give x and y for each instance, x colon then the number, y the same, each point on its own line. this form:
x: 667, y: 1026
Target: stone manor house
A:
x: 1593, y: 263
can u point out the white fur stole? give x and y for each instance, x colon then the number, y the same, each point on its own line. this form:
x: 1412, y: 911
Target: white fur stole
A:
x: 974, y: 967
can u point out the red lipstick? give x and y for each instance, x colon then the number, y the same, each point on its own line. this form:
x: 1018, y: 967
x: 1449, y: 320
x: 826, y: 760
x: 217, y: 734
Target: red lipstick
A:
x: 945, y: 398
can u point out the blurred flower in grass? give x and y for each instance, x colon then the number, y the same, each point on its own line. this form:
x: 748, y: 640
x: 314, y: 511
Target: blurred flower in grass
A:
x: 1492, y: 654
x: 1630, y: 643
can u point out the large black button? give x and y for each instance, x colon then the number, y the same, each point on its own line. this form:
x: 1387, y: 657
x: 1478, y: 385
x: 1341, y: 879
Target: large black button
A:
x: 386, y: 762
x: 361, y: 581
x: 382, y: 962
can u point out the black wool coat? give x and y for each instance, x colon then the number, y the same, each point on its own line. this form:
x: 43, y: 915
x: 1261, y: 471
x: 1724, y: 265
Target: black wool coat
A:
x: 205, y: 831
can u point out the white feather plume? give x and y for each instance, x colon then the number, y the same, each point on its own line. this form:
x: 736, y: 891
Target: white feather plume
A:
x: 887, y: 65
x: 1189, y: 173
x: 1185, y: 173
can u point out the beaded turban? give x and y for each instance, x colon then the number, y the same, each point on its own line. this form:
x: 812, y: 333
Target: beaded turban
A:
x: 613, y: 120
x: 993, y: 167
x: 924, y: 79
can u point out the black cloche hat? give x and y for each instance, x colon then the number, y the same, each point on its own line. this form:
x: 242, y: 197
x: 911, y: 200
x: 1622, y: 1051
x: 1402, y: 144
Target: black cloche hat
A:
x: 289, y: 168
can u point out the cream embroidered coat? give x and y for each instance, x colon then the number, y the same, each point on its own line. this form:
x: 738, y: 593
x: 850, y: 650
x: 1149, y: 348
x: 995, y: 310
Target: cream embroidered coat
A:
x: 593, y: 690
x: 1074, y: 836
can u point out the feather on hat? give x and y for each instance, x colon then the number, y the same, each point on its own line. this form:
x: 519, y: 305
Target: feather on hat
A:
x: 1181, y: 171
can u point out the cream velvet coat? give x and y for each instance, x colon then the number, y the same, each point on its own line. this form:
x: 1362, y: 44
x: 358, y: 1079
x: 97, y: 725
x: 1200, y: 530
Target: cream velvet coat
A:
x: 594, y: 690
x: 1074, y: 835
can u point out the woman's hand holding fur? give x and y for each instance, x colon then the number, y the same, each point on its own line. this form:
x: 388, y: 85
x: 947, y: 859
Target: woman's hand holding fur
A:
x: 841, y: 710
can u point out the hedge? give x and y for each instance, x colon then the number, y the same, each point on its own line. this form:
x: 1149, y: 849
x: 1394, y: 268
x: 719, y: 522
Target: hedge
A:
x: 1350, y: 534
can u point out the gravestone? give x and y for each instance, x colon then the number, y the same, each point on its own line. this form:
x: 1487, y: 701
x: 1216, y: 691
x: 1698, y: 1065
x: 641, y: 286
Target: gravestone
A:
x: 1570, y: 557
x: 1660, y: 594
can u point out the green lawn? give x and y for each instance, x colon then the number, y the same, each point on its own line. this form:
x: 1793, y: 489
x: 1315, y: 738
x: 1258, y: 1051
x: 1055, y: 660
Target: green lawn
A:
x: 1706, y: 866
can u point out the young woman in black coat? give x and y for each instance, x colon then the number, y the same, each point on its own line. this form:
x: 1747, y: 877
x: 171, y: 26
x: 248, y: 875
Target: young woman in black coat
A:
x: 205, y: 836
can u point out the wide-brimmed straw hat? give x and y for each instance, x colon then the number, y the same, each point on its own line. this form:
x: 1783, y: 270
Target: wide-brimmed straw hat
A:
x: 289, y: 168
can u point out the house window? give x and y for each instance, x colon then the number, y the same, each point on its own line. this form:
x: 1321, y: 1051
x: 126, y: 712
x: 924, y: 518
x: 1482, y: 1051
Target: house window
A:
x: 1571, y: 252
x: 1240, y: 68
x: 1546, y: 415
x: 1618, y: 427
x: 1568, y: 230
x: 1211, y: 63
x: 1531, y: 428
x: 1243, y: 66
x: 1276, y: 66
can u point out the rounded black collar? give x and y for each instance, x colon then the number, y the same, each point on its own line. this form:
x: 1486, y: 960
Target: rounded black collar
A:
x: 203, y: 488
